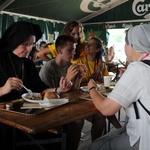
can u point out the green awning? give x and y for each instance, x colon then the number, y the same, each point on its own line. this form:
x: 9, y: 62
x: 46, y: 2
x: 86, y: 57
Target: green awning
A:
x: 51, y: 15
x: 59, y: 10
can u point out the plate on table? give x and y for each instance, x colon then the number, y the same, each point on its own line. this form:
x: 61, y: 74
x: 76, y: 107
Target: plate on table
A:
x: 54, y: 102
x: 35, y: 98
x: 84, y: 88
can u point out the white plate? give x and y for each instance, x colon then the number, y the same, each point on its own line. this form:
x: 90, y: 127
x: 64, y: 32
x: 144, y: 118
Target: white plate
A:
x: 84, y: 88
x: 46, y: 102
x: 25, y: 96
x: 54, y: 102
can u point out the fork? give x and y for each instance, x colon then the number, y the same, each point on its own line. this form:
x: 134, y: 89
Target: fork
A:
x: 28, y: 90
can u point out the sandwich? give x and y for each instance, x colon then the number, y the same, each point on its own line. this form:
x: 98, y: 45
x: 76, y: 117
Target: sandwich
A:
x: 50, y: 95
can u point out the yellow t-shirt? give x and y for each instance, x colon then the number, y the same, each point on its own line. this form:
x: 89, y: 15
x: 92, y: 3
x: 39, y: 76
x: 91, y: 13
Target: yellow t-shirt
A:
x: 52, y: 49
x: 91, y: 66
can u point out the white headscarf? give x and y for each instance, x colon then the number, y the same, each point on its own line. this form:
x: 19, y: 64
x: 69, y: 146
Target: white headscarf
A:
x: 139, y: 38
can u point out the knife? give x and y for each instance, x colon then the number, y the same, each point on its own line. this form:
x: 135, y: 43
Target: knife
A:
x: 31, y: 107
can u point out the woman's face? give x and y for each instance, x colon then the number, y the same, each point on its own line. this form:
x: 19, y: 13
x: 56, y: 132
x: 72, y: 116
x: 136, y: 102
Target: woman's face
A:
x: 131, y: 54
x: 25, y: 47
x: 76, y: 33
x: 91, y: 47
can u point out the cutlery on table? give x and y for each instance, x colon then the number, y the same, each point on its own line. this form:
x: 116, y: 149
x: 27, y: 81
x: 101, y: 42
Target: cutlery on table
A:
x: 30, y: 107
x: 28, y: 90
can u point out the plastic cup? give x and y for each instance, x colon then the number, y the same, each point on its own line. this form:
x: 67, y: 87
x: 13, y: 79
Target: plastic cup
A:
x: 107, y: 80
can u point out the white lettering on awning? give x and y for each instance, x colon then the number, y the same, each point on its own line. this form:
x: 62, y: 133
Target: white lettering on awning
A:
x: 140, y: 9
x: 95, y: 3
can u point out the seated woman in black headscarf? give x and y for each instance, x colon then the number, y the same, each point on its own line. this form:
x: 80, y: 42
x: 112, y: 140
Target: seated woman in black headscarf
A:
x: 16, y: 69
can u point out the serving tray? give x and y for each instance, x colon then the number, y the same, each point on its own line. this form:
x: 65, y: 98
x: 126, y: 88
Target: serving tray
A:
x: 15, y: 106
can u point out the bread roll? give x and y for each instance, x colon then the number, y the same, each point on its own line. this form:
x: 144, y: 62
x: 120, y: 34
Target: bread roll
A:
x: 50, y: 95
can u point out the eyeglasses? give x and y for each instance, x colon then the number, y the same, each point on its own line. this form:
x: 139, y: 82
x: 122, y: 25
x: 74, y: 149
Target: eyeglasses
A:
x: 27, y: 44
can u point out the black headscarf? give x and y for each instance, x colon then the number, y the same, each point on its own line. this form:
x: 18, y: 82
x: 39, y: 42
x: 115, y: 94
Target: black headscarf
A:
x: 16, y: 33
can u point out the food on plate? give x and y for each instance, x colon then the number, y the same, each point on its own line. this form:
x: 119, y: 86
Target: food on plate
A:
x: 50, y: 95
x: 42, y: 96
x: 37, y: 97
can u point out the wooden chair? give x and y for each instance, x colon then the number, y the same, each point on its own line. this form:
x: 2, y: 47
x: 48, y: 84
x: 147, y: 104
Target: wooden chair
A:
x: 40, y: 142
x: 113, y: 67
x: 116, y: 121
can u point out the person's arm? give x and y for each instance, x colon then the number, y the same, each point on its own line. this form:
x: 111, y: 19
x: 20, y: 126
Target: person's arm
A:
x: 56, y: 84
x: 105, y: 105
x: 12, y: 83
x: 79, y: 77
x: 36, y: 58
x: 71, y: 75
x: 64, y: 86
x: 106, y: 58
x: 77, y: 83
x: 43, y: 54
x: 111, y: 56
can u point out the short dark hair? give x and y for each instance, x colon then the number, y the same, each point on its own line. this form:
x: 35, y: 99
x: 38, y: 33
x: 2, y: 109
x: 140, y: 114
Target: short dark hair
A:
x: 62, y: 40
x: 42, y: 42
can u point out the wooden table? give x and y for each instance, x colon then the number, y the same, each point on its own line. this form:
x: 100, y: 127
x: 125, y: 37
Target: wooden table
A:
x: 74, y: 110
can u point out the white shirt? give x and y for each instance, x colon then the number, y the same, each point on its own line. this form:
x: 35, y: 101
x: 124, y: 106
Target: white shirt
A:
x: 134, y: 85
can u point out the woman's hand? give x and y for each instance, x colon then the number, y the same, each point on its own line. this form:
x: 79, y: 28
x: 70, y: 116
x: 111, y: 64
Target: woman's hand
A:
x: 97, y: 76
x: 12, y: 83
x: 82, y: 70
x: 100, y: 65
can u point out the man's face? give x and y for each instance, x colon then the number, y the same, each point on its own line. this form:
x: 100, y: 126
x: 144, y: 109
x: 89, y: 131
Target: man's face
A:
x: 68, y: 51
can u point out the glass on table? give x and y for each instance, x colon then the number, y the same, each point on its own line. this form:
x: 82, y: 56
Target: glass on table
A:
x: 107, y: 80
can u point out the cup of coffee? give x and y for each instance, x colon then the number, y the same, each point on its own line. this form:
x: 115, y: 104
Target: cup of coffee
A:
x: 107, y: 80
